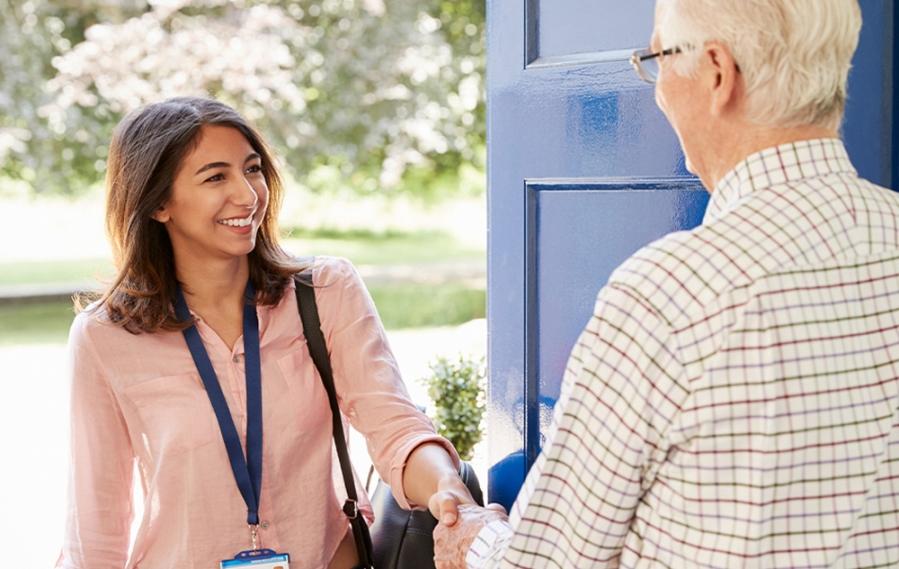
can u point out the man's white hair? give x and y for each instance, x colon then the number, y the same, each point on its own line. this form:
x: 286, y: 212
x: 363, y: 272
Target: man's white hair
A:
x: 794, y: 55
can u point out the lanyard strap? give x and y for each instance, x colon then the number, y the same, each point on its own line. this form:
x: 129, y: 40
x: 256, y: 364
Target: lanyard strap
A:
x: 247, y: 471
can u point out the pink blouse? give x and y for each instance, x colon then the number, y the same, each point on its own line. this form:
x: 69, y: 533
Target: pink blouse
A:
x: 139, y: 397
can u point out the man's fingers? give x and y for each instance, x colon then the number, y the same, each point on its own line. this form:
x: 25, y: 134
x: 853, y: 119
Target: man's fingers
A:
x: 497, y: 508
x: 451, y: 542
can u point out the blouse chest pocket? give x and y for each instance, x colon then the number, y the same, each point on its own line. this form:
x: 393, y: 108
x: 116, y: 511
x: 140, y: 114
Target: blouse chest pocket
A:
x: 304, y: 405
x: 175, y: 413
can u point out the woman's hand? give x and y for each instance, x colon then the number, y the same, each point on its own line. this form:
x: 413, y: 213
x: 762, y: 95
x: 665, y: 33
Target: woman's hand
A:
x: 431, y: 478
x: 451, y: 493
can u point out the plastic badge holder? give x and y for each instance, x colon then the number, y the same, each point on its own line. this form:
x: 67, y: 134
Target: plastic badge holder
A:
x: 258, y: 559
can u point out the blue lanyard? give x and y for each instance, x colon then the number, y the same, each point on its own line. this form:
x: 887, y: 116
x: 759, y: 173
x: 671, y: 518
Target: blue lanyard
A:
x: 247, y: 472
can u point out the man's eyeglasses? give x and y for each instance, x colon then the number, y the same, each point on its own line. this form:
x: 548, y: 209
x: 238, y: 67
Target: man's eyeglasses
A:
x: 646, y: 62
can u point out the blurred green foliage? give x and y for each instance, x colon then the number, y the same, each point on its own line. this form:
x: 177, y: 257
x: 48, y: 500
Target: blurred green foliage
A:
x: 387, y: 94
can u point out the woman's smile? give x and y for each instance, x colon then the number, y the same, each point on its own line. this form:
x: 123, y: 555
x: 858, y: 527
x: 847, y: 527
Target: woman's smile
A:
x: 239, y: 225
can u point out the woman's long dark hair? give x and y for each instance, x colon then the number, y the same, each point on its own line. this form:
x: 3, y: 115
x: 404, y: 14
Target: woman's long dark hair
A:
x: 146, y: 151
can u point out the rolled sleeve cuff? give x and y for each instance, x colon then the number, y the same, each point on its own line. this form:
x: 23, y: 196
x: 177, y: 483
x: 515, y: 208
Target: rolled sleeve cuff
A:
x: 488, y: 546
x: 402, y: 457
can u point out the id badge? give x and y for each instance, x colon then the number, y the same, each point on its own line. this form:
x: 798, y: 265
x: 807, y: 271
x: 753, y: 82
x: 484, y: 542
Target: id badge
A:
x: 257, y: 559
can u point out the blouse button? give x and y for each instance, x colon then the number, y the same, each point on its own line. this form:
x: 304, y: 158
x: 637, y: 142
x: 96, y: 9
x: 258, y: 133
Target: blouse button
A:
x: 264, y: 524
x: 236, y: 358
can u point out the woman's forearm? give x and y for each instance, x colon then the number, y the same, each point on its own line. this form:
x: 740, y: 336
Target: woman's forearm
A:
x: 426, y: 466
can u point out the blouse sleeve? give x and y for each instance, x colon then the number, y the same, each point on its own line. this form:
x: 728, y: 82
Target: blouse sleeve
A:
x: 98, y: 518
x: 370, y: 390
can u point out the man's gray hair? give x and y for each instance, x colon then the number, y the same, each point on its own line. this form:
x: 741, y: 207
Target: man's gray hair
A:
x: 794, y: 55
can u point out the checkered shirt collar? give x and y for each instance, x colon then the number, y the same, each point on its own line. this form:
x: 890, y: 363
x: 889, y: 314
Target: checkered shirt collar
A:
x: 782, y: 164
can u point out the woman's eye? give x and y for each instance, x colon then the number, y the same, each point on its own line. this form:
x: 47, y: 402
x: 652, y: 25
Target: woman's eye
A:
x: 254, y: 169
x: 216, y: 178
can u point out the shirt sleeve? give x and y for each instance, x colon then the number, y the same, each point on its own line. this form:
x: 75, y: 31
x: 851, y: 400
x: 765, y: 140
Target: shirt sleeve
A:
x: 622, y: 388
x: 99, y: 514
x: 370, y: 390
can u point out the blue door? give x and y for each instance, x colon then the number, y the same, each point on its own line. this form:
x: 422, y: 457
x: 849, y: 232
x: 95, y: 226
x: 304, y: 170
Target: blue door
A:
x: 583, y: 171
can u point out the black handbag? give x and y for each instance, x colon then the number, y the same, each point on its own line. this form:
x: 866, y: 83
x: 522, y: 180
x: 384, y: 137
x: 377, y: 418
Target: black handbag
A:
x: 403, y: 539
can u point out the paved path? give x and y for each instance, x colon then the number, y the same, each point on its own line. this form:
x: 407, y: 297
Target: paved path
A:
x: 34, y: 418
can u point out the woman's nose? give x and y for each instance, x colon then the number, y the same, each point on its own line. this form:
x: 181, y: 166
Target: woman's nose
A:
x: 245, y: 194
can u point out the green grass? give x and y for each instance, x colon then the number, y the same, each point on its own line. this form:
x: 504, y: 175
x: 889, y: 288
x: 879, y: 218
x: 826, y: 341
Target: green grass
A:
x: 52, y: 272
x: 419, y: 306
x: 400, y: 306
x: 363, y: 248
x: 35, y: 323
x: 360, y: 247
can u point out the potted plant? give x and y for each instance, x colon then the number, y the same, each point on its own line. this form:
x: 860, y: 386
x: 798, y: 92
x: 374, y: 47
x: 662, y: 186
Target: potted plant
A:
x: 455, y: 386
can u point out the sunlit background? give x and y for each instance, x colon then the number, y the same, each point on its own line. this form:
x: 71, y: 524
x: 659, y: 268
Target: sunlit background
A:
x: 375, y: 109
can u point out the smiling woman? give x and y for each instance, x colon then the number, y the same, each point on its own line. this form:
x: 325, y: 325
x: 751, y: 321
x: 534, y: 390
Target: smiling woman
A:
x: 197, y: 349
x: 171, y: 159
x: 216, y: 210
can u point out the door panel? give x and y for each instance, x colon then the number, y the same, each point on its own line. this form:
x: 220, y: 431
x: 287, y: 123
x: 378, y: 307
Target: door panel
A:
x: 565, y: 228
x: 567, y: 27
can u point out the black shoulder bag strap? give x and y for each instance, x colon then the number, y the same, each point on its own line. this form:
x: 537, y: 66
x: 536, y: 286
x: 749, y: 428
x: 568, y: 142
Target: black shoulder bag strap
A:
x: 315, y: 341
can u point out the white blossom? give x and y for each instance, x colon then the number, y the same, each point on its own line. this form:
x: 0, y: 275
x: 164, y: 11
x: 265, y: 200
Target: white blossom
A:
x: 354, y: 83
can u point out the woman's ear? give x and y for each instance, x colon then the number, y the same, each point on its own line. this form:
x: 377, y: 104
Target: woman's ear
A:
x: 161, y: 214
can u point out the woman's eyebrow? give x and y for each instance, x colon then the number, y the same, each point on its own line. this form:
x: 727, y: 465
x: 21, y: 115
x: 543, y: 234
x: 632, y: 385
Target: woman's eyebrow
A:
x: 250, y: 156
x: 212, y: 165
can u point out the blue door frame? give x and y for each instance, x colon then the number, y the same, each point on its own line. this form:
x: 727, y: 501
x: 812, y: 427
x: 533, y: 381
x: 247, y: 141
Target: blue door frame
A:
x: 583, y: 170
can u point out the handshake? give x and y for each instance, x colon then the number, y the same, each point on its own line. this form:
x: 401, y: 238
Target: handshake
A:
x: 456, y: 532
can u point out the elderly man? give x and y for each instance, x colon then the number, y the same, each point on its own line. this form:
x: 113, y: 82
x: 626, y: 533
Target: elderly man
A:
x: 734, y: 400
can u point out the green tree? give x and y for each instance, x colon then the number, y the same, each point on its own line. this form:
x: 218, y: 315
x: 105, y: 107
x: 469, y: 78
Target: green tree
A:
x: 376, y: 90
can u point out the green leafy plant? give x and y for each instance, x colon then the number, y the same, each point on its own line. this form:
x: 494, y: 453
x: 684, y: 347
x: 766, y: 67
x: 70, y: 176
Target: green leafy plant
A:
x: 455, y: 388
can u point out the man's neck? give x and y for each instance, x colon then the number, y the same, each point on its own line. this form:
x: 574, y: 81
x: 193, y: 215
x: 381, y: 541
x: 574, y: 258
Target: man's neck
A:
x: 750, y: 139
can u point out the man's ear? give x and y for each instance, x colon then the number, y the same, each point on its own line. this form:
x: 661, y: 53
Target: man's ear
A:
x: 161, y: 214
x: 723, y: 73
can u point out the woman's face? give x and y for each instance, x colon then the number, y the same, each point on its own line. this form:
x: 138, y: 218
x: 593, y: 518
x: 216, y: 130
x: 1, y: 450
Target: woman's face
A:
x: 218, y: 198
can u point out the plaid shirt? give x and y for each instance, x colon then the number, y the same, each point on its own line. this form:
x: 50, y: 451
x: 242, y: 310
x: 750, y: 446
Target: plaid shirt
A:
x: 733, y: 401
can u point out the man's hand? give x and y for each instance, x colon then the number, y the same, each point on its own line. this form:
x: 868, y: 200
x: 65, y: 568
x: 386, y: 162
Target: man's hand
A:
x: 451, y: 542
